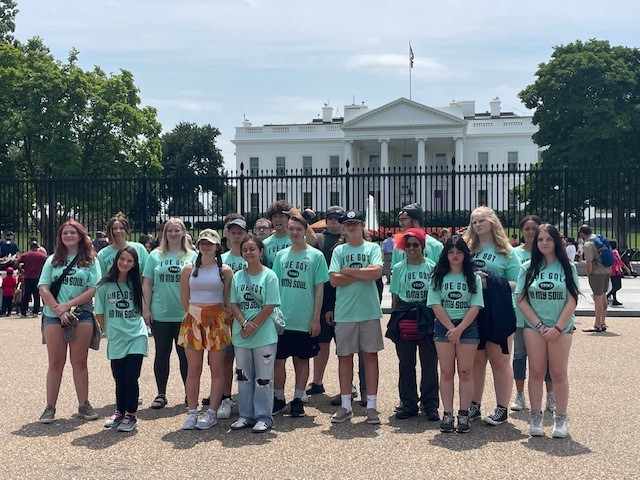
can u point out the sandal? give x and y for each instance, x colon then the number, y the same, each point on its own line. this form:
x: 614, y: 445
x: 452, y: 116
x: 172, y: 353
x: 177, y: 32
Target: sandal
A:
x: 159, y: 402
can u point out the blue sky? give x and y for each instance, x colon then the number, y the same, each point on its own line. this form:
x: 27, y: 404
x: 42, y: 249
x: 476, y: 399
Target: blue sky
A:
x: 276, y: 61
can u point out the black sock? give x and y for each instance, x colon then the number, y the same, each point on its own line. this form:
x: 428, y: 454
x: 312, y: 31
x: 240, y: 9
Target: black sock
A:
x: 463, y: 413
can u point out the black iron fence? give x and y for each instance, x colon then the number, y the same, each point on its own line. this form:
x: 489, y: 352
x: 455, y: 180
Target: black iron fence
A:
x: 606, y: 198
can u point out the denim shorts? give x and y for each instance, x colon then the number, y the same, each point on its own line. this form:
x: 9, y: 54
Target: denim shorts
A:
x: 84, y: 317
x: 471, y: 334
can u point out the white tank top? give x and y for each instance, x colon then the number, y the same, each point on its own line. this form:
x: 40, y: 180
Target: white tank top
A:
x: 207, y: 287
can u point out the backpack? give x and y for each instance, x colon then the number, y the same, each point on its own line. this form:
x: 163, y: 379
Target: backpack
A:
x: 604, y: 249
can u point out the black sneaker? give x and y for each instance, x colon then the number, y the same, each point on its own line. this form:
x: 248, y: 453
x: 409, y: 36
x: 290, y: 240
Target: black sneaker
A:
x: 446, y: 426
x: 404, y: 414
x: 474, y: 411
x: 463, y: 424
x: 314, y: 389
x: 497, y: 417
x: 432, y: 415
x: 297, y: 408
x: 279, y: 406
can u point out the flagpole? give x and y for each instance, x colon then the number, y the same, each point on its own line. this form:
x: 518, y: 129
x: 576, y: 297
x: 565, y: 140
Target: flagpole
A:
x: 410, y: 67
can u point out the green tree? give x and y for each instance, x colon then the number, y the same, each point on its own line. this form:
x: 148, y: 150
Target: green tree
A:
x: 193, y: 166
x: 8, y: 13
x: 587, y: 105
x: 57, y: 120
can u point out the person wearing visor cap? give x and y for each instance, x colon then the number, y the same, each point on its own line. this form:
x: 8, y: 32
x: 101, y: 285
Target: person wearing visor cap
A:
x: 412, y: 216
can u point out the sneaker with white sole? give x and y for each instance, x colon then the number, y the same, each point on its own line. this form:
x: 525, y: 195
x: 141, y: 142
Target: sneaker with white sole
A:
x: 342, y: 415
x: 114, y: 420
x: 551, y: 402
x: 86, y: 411
x: 224, y: 410
x: 206, y: 420
x: 279, y: 406
x: 518, y: 402
x: 129, y: 424
x: 190, y: 422
x: 48, y: 416
x: 446, y: 426
x: 560, y: 429
x: 536, y: 424
x: 498, y: 416
x: 463, y: 424
x: 260, y: 427
x: 241, y: 423
x: 474, y: 411
x: 373, y: 418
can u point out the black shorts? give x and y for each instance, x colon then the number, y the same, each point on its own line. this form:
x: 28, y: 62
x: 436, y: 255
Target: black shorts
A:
x: 297, y: 344
x: 326, y: 331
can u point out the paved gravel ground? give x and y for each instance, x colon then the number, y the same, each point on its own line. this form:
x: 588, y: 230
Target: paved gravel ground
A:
x: 604, y: 374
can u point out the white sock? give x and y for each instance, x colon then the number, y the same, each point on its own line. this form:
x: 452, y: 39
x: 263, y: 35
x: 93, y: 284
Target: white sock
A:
x: 372, y: 401
x: 279, y: 393
x: 298, y: 393
x: 193, y: 412
x: 346, y: 401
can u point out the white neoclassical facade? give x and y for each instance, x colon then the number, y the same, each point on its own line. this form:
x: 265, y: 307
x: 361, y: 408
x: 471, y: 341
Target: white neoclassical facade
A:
x: 400, y: 134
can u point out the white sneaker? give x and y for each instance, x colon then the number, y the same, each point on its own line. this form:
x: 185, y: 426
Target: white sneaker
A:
x: 190, y: 422
x: 261, y: 427
x: 559, y: 425
x: 551, y: 402
x: 518, y: 402
x: 206, y: 420
x: 224, y: 410
x: 536, y: 424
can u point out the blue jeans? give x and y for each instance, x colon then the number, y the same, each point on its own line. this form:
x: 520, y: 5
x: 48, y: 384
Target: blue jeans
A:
x: 520, y: 357
x: 254, y: 372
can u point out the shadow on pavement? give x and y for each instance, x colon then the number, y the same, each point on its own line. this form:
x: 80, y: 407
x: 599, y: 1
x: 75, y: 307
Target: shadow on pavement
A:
x: 557, y: 447
x: 61, y: 426
x: 105, y: 438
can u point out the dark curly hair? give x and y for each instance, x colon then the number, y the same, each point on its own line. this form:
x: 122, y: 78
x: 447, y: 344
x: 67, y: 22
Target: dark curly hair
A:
x: 281, y: 206
x: 443, y: 267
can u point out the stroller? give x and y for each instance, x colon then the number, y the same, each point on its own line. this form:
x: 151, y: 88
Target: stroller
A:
x: 626, y: 256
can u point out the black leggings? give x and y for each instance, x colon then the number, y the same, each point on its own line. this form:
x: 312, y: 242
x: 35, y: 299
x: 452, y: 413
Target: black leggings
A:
x: 165, y: 334
x: 126, y: 372
x: 616, y: 284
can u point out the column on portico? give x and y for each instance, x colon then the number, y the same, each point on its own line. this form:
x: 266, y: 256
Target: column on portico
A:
x: 384, y: 154
x: 458, y: 154
x: 422, y: 158
x: 348, y: 154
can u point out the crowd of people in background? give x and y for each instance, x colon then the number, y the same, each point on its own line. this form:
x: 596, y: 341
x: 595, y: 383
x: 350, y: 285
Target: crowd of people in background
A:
x: 255, y: 298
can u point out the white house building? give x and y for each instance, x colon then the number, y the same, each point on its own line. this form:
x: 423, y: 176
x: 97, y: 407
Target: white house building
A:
x: 401, y: 136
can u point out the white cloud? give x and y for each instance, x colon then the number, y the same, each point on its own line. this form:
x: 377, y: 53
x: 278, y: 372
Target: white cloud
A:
x: 396, y: 64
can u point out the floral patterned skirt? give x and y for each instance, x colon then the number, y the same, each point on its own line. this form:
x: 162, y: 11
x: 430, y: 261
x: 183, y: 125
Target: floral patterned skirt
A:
x: 205, y: 328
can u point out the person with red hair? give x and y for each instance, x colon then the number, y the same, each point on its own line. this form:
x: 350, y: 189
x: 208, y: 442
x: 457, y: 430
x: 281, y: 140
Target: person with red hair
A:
x: 74, y: 259
x: 409, y: 289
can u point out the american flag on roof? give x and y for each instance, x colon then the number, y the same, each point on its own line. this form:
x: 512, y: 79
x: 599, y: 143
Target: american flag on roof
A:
x: 410, y: 56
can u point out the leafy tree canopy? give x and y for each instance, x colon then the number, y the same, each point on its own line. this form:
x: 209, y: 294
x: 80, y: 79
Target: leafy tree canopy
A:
x: 587, y: 105
x: 8, y: 13
x: 57, y: 119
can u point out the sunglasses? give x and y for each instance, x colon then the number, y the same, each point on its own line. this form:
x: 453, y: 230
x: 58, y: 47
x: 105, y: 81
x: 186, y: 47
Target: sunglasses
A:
x: 412, y: 245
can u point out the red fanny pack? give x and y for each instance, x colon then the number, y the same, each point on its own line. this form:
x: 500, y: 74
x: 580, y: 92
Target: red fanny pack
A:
x: 409, y: 329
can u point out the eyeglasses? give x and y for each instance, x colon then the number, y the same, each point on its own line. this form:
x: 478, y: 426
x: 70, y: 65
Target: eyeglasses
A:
x: 412, y: 245
x: 402, y: 219
x: 261, y: 228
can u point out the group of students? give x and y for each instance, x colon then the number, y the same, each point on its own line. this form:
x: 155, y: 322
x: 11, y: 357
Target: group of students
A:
x: 458, y: 304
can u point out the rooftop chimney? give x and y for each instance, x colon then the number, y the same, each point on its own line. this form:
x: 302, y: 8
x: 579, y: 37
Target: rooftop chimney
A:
x: 495, y: 107
x: 327, y: 113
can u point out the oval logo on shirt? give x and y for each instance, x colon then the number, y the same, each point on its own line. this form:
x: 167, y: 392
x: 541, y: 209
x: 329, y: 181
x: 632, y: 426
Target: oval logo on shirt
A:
x: 417, y: 285
x: 355, y: 265
x: 122, y: 304
x: 479, y: 263
x: 546, y: 285
x: 248, y: 297
x: 72, y: 272
x: 293, y: 273
x: 174, y: 269
x: 455, y: 295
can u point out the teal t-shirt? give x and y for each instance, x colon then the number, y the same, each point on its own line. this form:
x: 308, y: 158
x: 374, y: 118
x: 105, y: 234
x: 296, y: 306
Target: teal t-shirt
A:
x: 265, y: 290
x: 411, y: 282
x: 548, y: 293
x: 272, y: 245
x: 299, y: 273
x: 236, y: 263
x: 487, y: 260
x: 455, y: 296
x: 77, y: 281
x: 124, y: 326
x: 359, y: 301
x: 107, y: 255
x: 165, y: 270
x: 524, y: 257
x: 432, y: 250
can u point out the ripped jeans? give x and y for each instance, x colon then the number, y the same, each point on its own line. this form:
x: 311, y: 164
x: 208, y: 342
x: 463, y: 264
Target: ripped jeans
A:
x: 254, y: 373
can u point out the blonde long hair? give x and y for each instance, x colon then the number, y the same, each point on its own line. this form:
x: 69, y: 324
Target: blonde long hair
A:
x: 164, y: 243
x: 499, y: 235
